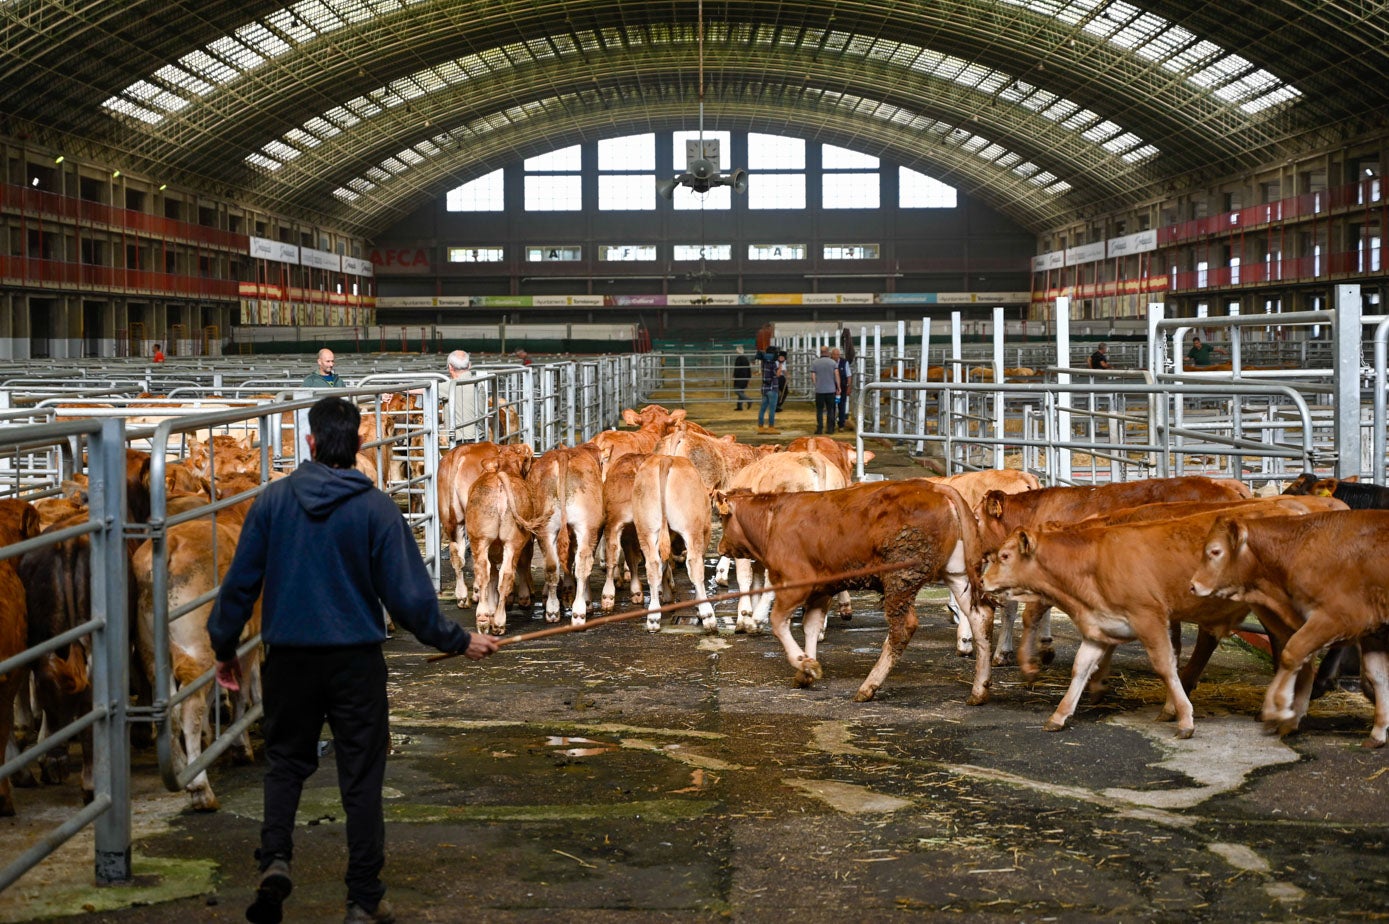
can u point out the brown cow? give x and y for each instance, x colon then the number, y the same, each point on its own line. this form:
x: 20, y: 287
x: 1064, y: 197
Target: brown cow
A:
x: 194, y: 570
x: 972, y: 487
x: 843, y: 454
x: 57, y: 581
x: 567, y: 489
x: 999, y: 514
x: 18, y: 521
x: 222, y: 455
x: 716, y: 459
x: 1324, y: 575
x: 781, y: 473
x: 458, y: 469
x: 669, y: 500
x: 925, y: 528
x: 499, y: 509
x: 652, y: 423
x: 1120, y: 582
x: 621, y: 547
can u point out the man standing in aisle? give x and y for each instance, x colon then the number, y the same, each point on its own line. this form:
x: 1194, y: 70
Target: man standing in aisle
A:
x: 825, y: 374
x: 330, y: 551
x: 324, y: 376
x: 462, y: 398
x: 770, y: 391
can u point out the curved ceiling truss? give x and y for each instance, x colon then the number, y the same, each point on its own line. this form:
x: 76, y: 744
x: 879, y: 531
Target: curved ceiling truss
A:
x: 353, y: 111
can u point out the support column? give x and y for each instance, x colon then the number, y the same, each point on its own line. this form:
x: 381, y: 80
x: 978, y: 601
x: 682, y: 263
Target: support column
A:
x: 1346, y: 299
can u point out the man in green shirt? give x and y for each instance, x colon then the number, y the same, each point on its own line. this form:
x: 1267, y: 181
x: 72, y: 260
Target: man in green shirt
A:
x: 1200, y: 353
x: 324, y: 376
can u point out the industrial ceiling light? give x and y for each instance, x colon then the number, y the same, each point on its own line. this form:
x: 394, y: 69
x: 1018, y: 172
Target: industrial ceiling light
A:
x: 702, y: 156
x: 59, y: 159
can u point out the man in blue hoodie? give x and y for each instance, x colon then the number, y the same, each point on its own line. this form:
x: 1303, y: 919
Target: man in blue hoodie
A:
x: 330, y: 551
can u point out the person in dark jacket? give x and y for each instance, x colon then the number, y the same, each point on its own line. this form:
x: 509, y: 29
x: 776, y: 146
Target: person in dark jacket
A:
x: 329, y: 550
x: 323, y: 375
x: 742, y: 374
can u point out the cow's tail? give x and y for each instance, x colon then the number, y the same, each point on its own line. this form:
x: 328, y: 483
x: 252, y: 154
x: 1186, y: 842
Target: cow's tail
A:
x: 76, y: 658
x: 969, y: 536
x: 562, y: 492
x: 663, y: 540
x: 519, y: 512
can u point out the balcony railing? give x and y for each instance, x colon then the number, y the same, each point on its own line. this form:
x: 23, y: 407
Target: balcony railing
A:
x: 1369, y: 192
x: 55, y: 274
x: 41, y: 204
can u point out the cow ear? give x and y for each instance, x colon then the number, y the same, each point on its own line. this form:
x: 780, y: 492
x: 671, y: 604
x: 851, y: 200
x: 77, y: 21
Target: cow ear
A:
x: 721, y: 502
x: 677, y: 414
x: 247, y: 441
x: 1026, y: 545
x: 630, y: 417
x: 868, y: 456
x: 993, y: 504
x: 730, y: 438
x: 1354, y: 478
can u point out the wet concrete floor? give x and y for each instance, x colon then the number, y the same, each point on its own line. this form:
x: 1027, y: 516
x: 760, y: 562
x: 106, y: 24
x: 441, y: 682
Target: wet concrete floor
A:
x: 616, y: 775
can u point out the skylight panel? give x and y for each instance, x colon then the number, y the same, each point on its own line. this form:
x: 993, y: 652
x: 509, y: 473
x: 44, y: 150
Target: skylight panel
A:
x: 319, y: 16
x: 1120, y: 143
x: 125, y: 107
x: 211, y: 69
x: 394, y: 165
x: 236, y: 54
x: 1080, y: 119
x: 301, y: 138
x: 155, y: 98
x: 265, y: 42
x: 1141, y: 153
x: 1027, y: 169
x: 289, y: 24
x: 1192, y: 56
x: 342, y: 117
x: 1042, y: 179
x: 1059, y: 110
x: 361, y: 185
x: 353, y: 11
x: 1008, y: 159
x: 1057, y: 188
x: 1281, y: 95
x: 410, y: 156
x: 975, y: 144
x: 265, y: 163
x: 363, y: 107
x: 377, y: 174
x: 346, y: 195
x: 178, y: 77
x: 993, y: 151
x: 429, y: 148
x: 1101, y: 131
x: 281, y: 151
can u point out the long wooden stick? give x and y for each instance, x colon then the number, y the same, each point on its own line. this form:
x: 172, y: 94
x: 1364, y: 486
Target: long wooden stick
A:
x: 687, y: 604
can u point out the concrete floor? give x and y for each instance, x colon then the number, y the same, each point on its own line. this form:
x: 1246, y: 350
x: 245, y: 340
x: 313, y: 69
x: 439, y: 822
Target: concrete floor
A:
x: 616, y: 775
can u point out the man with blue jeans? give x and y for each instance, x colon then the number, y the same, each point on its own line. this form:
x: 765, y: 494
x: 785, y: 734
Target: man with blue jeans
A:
x: 825, y: 373
x: 770, y: 392
x: 330, y: 551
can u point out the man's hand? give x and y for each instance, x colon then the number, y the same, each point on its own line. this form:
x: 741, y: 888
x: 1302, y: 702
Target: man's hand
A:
x: 229, y: 675
x: 479, y: 646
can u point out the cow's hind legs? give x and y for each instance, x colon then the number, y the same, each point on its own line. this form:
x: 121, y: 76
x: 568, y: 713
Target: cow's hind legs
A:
x: 1088, y: 658
x: 901, y: 626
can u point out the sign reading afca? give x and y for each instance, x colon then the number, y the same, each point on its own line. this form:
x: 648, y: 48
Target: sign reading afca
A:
x: 389, y: 260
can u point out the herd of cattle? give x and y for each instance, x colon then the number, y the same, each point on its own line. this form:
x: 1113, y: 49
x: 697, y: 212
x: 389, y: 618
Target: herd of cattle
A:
x: 1124, y: 561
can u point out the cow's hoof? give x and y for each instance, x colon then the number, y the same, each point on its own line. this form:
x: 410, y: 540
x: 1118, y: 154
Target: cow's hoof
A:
x: 1005, y: 659
x: 864, y: 694
x: 26, y: 778
x: 1097, y: 693
x: 1055, y: 725
x: 1029, y: 673
x: 809, y: 673
x: 965, y: 649
x: 484, y: 625
x: 653, y: 624
x: 204, y: 801
x: 54, y: 772
x: 498, y: 628
x: 1287, y: 727
x: 977, y: 699
x: 1185, y: 733
x: 1370, y: 742
x: 578, y: 619
x: 846, y: 611
x: 1048, y: 652
x: 607, y: 604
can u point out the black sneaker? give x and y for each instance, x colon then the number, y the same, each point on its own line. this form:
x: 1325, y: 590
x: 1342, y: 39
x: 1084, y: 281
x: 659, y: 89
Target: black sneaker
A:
x: 272, y: 890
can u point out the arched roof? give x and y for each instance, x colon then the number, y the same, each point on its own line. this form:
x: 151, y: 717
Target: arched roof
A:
x: 354, y: 112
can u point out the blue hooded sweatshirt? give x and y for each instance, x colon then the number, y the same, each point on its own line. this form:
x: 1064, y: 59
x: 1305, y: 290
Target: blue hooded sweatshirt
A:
x: 330, y: 551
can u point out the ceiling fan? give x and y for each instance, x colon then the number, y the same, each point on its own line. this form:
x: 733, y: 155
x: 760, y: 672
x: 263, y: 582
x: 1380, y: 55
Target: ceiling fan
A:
x: 702, y: 156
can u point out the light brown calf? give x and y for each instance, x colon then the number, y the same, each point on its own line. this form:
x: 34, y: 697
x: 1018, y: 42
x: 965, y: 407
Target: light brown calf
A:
x: 669, y: 500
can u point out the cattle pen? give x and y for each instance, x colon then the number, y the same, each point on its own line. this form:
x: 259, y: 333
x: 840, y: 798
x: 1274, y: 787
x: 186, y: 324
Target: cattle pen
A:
x: 621, y: 774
